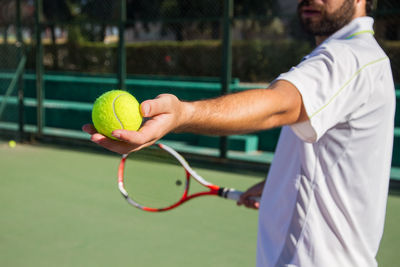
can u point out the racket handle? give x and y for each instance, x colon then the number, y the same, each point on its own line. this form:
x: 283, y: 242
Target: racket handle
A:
x: 234, y: 194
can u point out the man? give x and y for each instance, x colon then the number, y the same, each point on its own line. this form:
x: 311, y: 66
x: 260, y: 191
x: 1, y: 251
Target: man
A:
x: 323, y: 203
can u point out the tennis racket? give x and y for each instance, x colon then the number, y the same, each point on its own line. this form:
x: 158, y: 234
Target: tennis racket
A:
x: 155, y: 192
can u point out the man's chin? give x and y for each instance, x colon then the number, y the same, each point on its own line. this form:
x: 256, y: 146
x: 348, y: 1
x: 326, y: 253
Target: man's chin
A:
x: 311, y: 27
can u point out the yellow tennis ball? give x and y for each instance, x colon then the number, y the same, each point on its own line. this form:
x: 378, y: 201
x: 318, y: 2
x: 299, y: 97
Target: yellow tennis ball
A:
x: 12, y: 144
x: 116, y: 110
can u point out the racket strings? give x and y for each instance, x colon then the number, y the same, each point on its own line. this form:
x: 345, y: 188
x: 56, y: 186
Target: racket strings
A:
x: 156, y: 183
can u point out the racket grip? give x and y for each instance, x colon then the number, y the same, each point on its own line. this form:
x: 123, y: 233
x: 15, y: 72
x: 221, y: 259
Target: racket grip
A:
x: 235, y: 195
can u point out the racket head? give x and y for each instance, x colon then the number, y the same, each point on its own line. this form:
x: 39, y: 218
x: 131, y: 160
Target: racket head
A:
x: 166, y: 185
x: 159, y: 184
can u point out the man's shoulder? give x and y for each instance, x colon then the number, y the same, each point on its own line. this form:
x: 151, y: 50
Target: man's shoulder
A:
x: 357, y: 51
x: 353, y: 47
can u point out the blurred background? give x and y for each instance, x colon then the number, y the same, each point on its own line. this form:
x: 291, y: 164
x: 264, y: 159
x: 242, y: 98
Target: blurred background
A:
x: 58, y: 56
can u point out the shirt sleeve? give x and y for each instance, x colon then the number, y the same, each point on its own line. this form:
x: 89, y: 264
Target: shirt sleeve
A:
x: 330, y: 83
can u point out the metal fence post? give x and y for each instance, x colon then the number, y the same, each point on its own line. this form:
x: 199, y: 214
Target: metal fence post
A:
x: 21, y: 53
x: 121, y: 47
x: 39, y: 67
x: 226, y: 73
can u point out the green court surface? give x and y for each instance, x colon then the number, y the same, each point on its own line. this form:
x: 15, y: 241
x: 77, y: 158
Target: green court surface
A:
x: 62, y: 207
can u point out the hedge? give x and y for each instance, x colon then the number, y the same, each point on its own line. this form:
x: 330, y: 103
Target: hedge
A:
x: 253, y: 61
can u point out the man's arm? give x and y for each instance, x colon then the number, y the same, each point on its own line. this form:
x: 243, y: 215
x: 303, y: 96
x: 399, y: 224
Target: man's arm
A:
x: 244, y: 112
x: 238, y: 113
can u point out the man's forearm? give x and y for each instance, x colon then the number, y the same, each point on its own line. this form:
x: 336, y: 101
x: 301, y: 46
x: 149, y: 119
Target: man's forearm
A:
x: 243, y: 112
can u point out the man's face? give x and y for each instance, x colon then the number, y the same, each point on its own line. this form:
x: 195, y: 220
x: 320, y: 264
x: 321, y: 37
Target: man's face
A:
x: 324, y: 17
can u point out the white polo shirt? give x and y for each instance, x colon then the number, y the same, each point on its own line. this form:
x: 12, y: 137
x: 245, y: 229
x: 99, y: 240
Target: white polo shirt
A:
x: 325, y: 197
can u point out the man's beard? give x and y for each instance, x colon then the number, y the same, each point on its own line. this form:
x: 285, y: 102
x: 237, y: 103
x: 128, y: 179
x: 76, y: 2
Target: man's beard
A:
x: 329, y: 23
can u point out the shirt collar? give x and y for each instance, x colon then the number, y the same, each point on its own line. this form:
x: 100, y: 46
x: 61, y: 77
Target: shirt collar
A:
x: 358, y: 26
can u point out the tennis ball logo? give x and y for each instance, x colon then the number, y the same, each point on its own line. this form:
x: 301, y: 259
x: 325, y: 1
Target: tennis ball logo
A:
x: 116, y: 110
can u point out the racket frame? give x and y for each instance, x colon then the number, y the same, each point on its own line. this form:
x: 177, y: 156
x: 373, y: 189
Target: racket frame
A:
x: 214, y: 190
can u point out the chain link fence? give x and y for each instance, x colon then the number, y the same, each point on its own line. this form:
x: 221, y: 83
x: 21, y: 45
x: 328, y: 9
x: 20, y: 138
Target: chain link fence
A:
x: 80, y: 36
x: 178, y: 37
x: 183, y: 37
x: 12, y: 61
x: 161, y: 37
x: 387, y: 30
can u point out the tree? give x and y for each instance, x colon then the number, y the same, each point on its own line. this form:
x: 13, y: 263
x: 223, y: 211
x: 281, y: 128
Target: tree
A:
x: 142, y: 10
x: 101, y: 12
x: 55, y: 11
x: 194, y: 13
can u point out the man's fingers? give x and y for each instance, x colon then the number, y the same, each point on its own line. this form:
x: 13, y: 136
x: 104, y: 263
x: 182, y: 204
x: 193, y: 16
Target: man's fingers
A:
x: 89, y: 128
x: 147, y: 133
x: 249, y: 203
x: 120, y: 147
x: 247, y: 199
x: 157, y: 106
x: 128, y: 141
x: 98, y: 138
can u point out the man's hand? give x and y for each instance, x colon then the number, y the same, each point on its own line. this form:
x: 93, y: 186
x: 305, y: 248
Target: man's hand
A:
x: 254, y: 191
x: 162, y: 115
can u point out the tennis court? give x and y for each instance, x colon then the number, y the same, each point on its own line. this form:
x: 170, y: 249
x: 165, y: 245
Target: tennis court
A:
x: 61, y: 207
